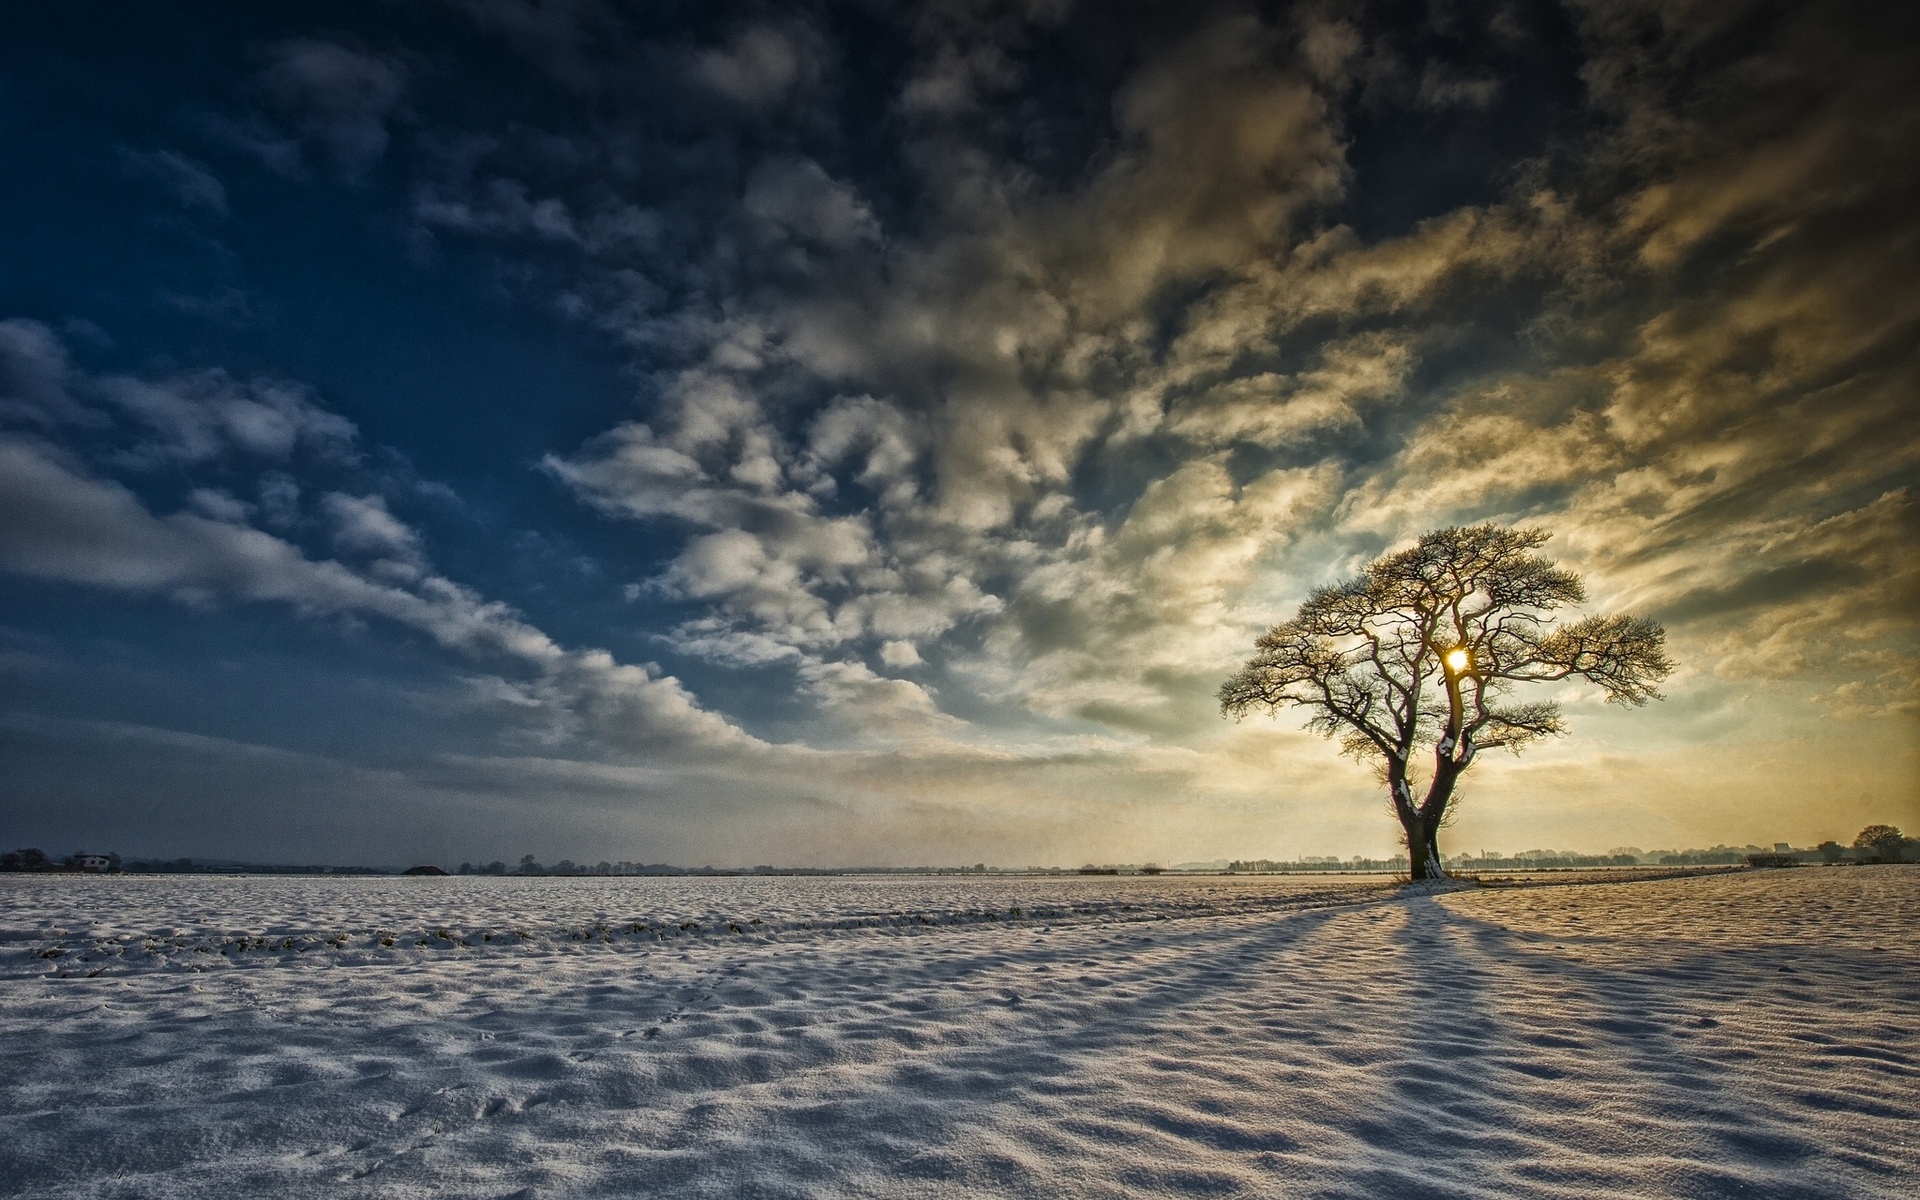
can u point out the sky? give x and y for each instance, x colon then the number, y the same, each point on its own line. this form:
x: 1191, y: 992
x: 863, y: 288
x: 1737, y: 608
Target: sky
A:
x: 867, y: 433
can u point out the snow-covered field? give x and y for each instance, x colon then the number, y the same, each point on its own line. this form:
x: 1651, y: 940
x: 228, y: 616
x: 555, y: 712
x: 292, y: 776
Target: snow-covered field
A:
x: 1750, y: 1034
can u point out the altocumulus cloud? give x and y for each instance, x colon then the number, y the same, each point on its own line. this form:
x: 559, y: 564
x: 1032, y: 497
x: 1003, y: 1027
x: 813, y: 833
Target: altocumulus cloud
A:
x: 996, y: 377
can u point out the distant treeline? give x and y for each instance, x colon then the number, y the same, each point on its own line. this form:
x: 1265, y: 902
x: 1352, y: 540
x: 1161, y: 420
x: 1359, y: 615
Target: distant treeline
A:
x: 82, y: 863
x: 1262, y: 866
x: 528, y: 865
x: 566, y: 866
x: 191, y: 866
x: 1874, y: 844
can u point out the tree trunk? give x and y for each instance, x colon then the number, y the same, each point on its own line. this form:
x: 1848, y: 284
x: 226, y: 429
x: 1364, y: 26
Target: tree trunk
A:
x: 1423, y: 850
x: 1423, y: 824
x: 1422, y: 857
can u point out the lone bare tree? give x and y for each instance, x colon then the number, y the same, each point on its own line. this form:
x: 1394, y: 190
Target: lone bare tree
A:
x: 1466, y: 610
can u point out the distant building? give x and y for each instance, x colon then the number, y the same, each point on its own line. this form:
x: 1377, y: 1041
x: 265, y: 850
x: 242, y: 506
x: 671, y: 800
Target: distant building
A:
x: 91, y: 862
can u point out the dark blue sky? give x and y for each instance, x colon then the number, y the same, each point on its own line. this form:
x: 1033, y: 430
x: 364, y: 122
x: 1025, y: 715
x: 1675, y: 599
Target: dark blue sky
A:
x: 849, y: 431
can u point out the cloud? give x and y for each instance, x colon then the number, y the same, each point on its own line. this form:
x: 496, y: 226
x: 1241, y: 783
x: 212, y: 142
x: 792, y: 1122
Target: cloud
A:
x: 761, y: 64
x: 335, y: 97
x: 879, y: 444
x: 60, y: 520
x: 34, y: 375
x: 218, y: 505
x: 585, y: 44
x: 796, y: 197
x: 205, y: 414
x: 362, y: 525
x: 1020, y: 302
x: 1273, y: 410
x: 957, y: 78
x: 1132, y: 627
x: 190, y: 182
x: 315, y: 102
x: 873, y: 706
x: 193, y: 416
x: 1444, y: 88
x: 57, y: 522
x: 500, y: 207
x: 61, y: 523
x: 972, y: 425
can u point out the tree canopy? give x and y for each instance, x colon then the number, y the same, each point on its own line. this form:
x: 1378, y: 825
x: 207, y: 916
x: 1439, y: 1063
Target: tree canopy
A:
x: 1466, y: 612
x: 1884, y: 840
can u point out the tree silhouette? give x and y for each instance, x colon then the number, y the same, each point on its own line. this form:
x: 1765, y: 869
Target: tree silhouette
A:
x: 1466, y: 610
x: 1886, y: 841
